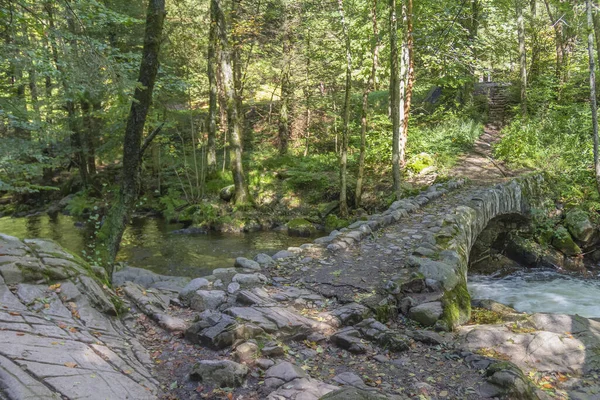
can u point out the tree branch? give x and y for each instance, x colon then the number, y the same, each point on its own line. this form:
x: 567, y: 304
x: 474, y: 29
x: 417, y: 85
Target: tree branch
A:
x: 149, y: 139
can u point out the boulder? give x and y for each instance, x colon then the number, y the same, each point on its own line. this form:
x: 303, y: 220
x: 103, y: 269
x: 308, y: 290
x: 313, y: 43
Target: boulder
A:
x: 282, y: 373
x: 353, y: 393
x: 579, y: 225
x: 301, y: 227
x: 207, y: 299
x: 349, y: 339
x: 214, y: 330
x: 188, y: 291
x: 220, y: 373
x: 246, y: 352
x: 563, y: 241
x: 227, y: 193
x: 242, y: 262
x: 264, y: 259
x: 427, y: 314
x: 249, y: 279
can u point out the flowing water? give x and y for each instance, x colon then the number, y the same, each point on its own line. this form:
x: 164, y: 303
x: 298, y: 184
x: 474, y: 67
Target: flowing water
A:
x: 540, y: 291
x: 148, y: 243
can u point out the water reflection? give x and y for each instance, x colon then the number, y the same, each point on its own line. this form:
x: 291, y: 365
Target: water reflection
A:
x: 147, y: 243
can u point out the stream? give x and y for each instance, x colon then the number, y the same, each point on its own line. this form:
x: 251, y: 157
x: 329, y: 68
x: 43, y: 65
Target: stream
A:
x: 540, y: 291
x: 148, y: 243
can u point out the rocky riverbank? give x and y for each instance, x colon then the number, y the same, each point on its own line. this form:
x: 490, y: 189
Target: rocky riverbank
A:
x: 316, y: 321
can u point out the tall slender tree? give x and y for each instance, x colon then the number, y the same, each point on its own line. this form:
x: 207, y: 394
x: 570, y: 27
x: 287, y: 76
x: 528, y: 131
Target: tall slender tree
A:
x: 345, y: 114
x: 370, y: 85
x: 593, y: 101
x: 112, y: 231
x: 211, y: 153
x: 522, y: 56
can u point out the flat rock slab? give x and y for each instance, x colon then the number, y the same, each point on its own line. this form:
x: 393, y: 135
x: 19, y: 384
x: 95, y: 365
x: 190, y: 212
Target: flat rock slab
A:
x: 552, y: 343
x: 57, y: 341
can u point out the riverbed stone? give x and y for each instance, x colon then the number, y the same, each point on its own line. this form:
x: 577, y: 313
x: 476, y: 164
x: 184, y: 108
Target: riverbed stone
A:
x: 186, y: 294
x: 244, y: 263
x: 207, y: 299
x: 563, y: 241
x: 300, y: 227
x: 353, y: 393
x: 219, y: 373
x: 264, y: 260
x: 249, y: 279
x: 214, y: 329
x: 246, y: 352
x: 579, y: 225
x: 282, y: 373
x: 426, y: 314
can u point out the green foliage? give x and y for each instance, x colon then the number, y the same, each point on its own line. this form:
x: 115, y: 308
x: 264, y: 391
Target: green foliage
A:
x: 81, y: 204
x: 22, y: 165
x: 442, y: 142
x: 171, y: 202
x: 558, y: 142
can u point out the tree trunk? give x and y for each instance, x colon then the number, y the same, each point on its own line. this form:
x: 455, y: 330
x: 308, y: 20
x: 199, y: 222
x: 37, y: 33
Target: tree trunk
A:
x: 91, y: 126
x: 284, y: 129
x: 211, y: 153
x: 596, y: 19
x: 522, y: 56
x: 590, y: 26
x: 345, y: 116
x: 230, y: 83
x: 395, y: 100
x: 407, y: 69
x: 112, y: 231
x: 365, y: 107
x: 534, y: 68
x: 558, y: 42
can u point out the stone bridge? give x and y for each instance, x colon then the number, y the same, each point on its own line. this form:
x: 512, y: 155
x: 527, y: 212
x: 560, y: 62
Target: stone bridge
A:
x: 430, y: 283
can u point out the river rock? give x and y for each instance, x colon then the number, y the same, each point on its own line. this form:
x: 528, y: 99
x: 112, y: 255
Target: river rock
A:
x: 511, y: 381
x: 149, y: 279
x: 246, y: 352
x: 227, y: 193
x: 351, y: 313
x: 283, y: 254
x: 579, y: 225
x: 220, y: 373
x: 186, y: 294
x: 233, y: 287
x: 244, y: 263
x: 207, y: 299
x: 264, y: 260
x: 427, y: 313
x: 563, y: 241
x: 214, y: 330
x: 249, y: 279
x: 353, y: 393
x: 282, y: 373
x: 349, y: 339
x: 300, y: 227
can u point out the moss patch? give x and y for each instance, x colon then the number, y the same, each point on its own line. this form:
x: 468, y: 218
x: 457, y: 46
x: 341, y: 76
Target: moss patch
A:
x: 457, y: 306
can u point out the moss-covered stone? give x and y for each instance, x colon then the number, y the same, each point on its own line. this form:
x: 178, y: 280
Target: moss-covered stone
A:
x: 457, y: 306
x: 579, y: 225
x: 334, y: 222
x: 563, y: 241
x: 301, y: 227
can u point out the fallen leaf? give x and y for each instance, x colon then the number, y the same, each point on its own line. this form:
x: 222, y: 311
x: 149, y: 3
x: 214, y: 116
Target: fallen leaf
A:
x: 20, y: 334
x: 444, y: 393
x: 70, y: 364
x: 54, y: 287
x: 14, y: 314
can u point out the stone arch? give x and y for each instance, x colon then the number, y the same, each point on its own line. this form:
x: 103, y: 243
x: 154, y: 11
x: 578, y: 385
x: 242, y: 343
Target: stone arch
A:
x: 446, y: 267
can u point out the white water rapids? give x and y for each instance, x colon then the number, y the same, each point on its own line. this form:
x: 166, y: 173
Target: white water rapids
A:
x: 540, y: 291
